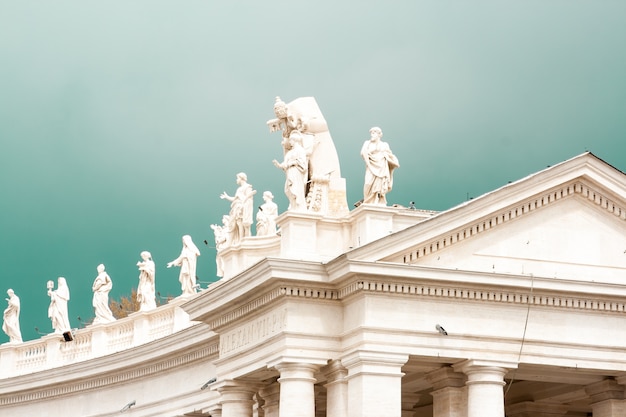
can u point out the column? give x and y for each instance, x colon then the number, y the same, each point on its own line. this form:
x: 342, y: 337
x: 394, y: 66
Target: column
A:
x: 297, y: 395
x: 449, y: 392
x: 485, y: 382
x: 270, y: 394
x: 336, y: 389
x: 607, y: 398
x: 320, y: 401
x: 236, y: 398
x: 374, y: 383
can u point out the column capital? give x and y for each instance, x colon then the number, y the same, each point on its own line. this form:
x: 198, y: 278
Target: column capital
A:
x: 334, y: 372
x: 484, y: 371
x: 445, y: 377
x: 373, y: 357
x: 608, y: 389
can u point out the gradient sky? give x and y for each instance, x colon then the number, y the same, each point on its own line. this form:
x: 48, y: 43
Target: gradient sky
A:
x: 121, y: 122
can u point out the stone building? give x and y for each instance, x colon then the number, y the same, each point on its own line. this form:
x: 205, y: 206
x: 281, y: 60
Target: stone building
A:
x: 513, y: 303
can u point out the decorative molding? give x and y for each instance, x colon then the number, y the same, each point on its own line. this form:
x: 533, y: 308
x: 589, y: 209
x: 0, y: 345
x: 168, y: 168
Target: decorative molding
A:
x: 204, y: 351
x: 472, y: 294
x: 268, y: 297
x: 511, y: 213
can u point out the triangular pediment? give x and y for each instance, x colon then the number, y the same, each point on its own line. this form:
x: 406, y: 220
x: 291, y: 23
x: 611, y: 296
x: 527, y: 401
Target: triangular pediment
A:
x: 566, y: 222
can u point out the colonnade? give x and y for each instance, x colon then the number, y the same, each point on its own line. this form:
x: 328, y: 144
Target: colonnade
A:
x: 368, y: 384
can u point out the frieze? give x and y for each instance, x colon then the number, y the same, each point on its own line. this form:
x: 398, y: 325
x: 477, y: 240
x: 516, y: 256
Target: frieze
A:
x: 249, y: 334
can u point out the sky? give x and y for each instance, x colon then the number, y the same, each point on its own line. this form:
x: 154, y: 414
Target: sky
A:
x: 121, y: 122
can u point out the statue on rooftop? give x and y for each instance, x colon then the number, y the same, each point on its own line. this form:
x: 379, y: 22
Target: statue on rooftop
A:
x: 57, y: 311
x: 324, y: 188
x: 11, y: 323
x: 266, y: 216
x: 221, y: 242
x: 101, y: 287
x: 379, y: 166
x: 145, y: 290
x: 187, y: 262
x: 240, y: 209
x: 295, y: 166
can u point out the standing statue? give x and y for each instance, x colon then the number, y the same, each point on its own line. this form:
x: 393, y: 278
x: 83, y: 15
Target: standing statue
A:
x: 145, y: 291
x: 295, y: 166
x: 325, y: 190
x: 240, y: 209
x: 266, y: 216
x: 187, y: 263
x: 57, y: 311
x: 221, y: 242
x: 101, y: 287
x: 379, y: 166
x: 11, y: 324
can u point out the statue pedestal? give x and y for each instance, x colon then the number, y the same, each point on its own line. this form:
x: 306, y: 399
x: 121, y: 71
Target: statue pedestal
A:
x: 248, y: 252
x: 311, y: 236
x: 372, y: 221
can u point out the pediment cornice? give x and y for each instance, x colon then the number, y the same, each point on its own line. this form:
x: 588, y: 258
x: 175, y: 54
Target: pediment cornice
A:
x: 574, y: 189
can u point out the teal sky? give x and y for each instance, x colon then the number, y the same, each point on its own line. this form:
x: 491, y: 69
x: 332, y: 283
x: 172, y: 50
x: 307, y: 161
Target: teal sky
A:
x: 121, y: 122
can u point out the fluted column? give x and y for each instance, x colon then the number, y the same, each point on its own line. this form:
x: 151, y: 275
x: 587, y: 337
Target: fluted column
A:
x: 374, y: 383
x: 297, y: 395
x: 485, y: 382
x: 271, y: 395
x: 607, y: 398
x: 449, y: 392
x: 236, y: 398
x: 336, y: 389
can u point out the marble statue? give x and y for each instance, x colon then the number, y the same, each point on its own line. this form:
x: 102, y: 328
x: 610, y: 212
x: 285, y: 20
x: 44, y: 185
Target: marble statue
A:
x: 295, y: 166
x: 11, y: 323
x: 221, y: 242
x: 101, y: 287
x: 323, y: 171
x: 187, y: 263
x: 145, y: 291
x: 379, y: 166
x: 266, y: 216
x: 240, y: 209
x: 57, y: 311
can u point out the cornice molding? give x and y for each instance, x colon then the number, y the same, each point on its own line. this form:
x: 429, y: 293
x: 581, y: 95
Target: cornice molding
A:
x: 460, y: 292
x: 281, y: 291
x: 576, y: 188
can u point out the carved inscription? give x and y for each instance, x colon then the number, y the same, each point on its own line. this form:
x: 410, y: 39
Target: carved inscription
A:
x: 249, y: 334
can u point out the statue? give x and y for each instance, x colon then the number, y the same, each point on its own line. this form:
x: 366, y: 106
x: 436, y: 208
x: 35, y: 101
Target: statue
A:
x: 325, y: 190
x: 295, y: 166
x: 57, y: 311
x: 145, y: 290
x: 221, y: 242
x: 240, y: 209
x: 11, y: 324
x: 187, y: 263
x: 101, y: 287
x: 379, y: 166
x: 266, y: 216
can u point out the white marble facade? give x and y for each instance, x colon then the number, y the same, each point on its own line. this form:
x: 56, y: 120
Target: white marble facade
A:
x: 343, y: 316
